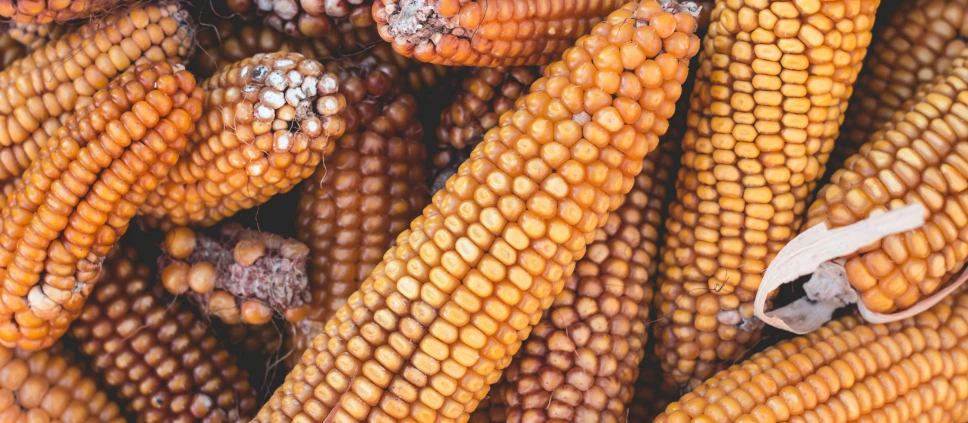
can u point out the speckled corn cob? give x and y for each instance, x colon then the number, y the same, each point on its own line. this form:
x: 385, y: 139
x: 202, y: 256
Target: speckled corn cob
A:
x: 441, y: 316
x: 915, y: 370
x: 76, y: 200
x: 774, y: 80
x: 64, y: 73
x: 582, y: 359
x: 919, y: 42
x: 268, y: 121
x: 372, y: 186
x: 486, y: 32
x: 10, y: 50
x: 158, y: 356
x: 33, y: 35
x: 308, y: 18
x: 44, y: 11
x: 919, y: 156
x: 237, y: 274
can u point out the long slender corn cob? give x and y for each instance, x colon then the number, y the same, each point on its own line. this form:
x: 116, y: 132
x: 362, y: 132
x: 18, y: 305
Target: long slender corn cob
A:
x: 372, y: 186
x: 486, y: 32
x: 913, y: 370
x: 919, y: 156
x: 309, y: 18
x: 44, y: 11
x: 920, y: 41
x: 34, y: 35
x: 441, y: 316
x: 237, y: 274
x: 63, y: 73
x: 581, y: 361
x: 10, y: 50
x: 75, y: 202
x: 158, y: 356
x: 268, y: 121
x: 774, y: 81
x: 51, y: 386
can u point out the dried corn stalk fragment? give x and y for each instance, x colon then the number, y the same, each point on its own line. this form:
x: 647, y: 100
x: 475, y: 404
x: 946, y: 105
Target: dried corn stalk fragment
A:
x: 268, y: 121
x: 74, y: 203
x: 441, y: 316
x: 64, y: 73
x: 919, y: 156
x: 51, y: 386
x: 848, y: 371
x: 918, y: 43
x: 44, y: 11
x: 486, y: 32
x: 308, y: 18
x: 158, y: 356
x: 774, y: 80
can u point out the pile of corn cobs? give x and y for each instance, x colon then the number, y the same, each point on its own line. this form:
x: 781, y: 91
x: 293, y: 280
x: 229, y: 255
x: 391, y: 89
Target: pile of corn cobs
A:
x: 473, y: 210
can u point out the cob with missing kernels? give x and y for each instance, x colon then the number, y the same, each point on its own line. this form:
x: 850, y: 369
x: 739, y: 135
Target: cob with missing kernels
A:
x: 439, y: 319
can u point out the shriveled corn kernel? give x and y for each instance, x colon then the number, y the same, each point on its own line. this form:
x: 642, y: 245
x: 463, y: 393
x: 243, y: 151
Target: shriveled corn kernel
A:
x: 264, y: 272
x: 51, y: 386
x: 773, y: 83
x: 62, y: 74
x: 439, y: 319
x: 75, y: 201
x: 486, y: 32
x: 912, y: 370
x: 268, y: 121
x: 919, y: 156
x: 158, y: 356
x: 44, y: 11
x: 308, y: 18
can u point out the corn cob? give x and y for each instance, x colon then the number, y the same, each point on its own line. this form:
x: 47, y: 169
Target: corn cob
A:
x: 653, y: 393
x: 159, y: 357
x: 285, y: 109
x: 913, y: 370
x: 237, y: 274
x: 489, y: 254
x: 44, y: 11
x: 492, y: 408
x: 486, y: 32
x: 919, y: 156
x: 6, y: 190
x: 581, y: 361
x: 308, y: 18
x: 34, y: 35
x: 10, y: 50
x: 921, y: 40
x: 774, y: 80
x: 51, y: 386
x: 76, y: 200
x: 260, y: 340
x: 63, y: 73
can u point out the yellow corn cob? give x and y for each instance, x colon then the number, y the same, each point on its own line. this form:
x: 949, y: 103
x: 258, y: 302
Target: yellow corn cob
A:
x: 51, y: 386
x: 486, y: 32
x: 919, y: 156
x: 33, y: 35
x: 76, y: 200
x: 44, y: 11
x: 441, y: 316
x: 10, y: 50
x: 63, y: 73
x: 773, y: 83
x: 914, y: 370
x: 919, y: 42
x: 285, y: 109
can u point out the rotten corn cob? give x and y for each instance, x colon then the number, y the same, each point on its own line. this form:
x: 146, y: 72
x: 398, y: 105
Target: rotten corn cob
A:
x: 64, y: 73
x: 774, y: 80
x: 44, y: 11
x: 486, y: 32
x: 308, y: 18
x: 912, y: 370
x: 439, y: 319
x: 158, y: 356
x: 268, y: 121
x: 918, y: 157
x: 919, y: 42
x: 237, y: 274
x: 74, y: 203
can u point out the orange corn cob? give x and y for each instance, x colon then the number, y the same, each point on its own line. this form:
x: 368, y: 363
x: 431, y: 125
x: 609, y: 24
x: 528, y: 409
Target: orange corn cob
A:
x: 308, y: 18
x: 44, y: 11
x: 773, y: 83
x: 486, y: 32
x: 63, y: 73
x: 285, y: 109
x: 237, y: 274
x: 158, y: 356
x: 919, y: 156
x: 441, y: 316
x: 6, y: 191
x: 10, y: 50
x: 51, y: 386
x: 914, y: 370
x: 76, y: 200
x: 919, y: 42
